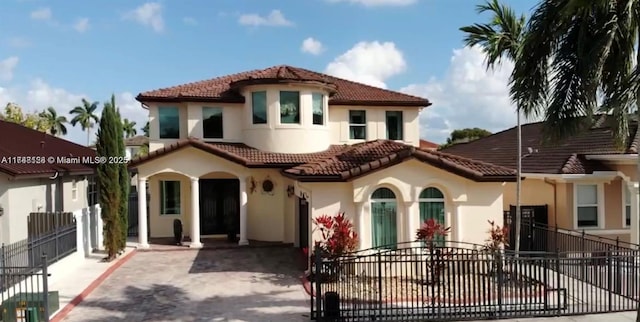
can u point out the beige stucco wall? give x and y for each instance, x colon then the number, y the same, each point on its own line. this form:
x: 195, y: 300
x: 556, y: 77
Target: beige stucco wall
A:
x: 468, y: 205
x: 20, y: 197
x: 286, y: 138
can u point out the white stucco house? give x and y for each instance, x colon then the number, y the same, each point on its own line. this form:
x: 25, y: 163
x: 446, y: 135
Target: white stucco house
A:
x: 36, y: 176
x: 257, y: 154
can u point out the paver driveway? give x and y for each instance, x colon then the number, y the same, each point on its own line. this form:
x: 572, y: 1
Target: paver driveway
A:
x: 256, y: 284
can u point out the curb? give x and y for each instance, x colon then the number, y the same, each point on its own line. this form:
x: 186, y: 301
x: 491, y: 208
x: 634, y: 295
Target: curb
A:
x: 58, y: 317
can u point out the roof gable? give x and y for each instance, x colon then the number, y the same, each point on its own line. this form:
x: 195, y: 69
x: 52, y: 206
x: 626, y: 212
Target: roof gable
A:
x: 221, y: 89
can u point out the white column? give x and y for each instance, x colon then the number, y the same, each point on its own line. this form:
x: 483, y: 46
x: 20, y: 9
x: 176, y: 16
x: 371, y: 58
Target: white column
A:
x: 409, y: 222
x: 195, y: 214
x: 457, y: 224
x: 635, y: 218
x: 143, y: 241
x: 363, y: 234
x: 243, y: 212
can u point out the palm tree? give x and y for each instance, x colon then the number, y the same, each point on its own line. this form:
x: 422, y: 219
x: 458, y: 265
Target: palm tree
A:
x: 55, y: 122
x: 129, y: 128
x: 85, y: 116
x: 501, y: 37
x: 145, y: 129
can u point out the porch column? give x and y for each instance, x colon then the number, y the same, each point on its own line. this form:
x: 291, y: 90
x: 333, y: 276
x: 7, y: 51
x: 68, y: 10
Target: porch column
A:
x: 362, y: 226
x: 195, y: 214
x: 243, y: 212
x: 143, y: 230
x: 409, y: 223
x: 635, y: 218
x: 457, y: 222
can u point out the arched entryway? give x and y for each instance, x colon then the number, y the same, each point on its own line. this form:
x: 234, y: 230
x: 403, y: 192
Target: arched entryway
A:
x: 384, y: 208
x: 431, y: 201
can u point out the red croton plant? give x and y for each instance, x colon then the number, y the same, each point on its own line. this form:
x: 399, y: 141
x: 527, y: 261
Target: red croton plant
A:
x: 498, y: 237
x: 338, y: 235
x: 431, y: 229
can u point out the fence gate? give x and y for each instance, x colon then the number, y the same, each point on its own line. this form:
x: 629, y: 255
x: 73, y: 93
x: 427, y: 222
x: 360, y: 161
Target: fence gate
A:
x: 133, y: 213
x: 530, y: 239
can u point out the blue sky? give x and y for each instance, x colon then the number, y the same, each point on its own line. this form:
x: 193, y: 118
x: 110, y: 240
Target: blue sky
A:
x: 56, y: 53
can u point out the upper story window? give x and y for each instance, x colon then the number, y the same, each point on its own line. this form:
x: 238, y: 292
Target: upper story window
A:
x: 169, y: 122
x: 357, y: 125
x: 318, y: 108
x: 394, y: 125
x: 289, y: 107
x: 259, y: 107
x: 212, y: 123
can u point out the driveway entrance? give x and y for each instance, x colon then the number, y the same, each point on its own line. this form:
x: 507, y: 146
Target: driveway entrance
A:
x: 243, y: 284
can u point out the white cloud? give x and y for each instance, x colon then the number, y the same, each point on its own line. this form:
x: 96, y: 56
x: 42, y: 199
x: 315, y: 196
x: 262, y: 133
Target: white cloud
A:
x: 18, y: 42
x: 42, y: 14
x: 149, y: 15
x: 378, y: 3
x: 312, y: 46
x: 6, y: 68
x: 39, y: 95
x: 275, y: 19
x: 467, y: 96
x: 369, y: 63
x: 81, y: 25
x: 189, y: 21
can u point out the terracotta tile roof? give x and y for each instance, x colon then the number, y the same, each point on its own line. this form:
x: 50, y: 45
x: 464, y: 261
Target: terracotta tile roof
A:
x: 222, y: 89
x: 565, y: 157
x: 137, y: 140
x: 25, y: 142
x: 339, y: 162
x: 424, y: 144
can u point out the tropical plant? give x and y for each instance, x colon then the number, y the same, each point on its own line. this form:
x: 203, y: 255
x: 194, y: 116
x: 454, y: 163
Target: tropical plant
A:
x: 85, y: 116
x: 129, y: 128
x: 124, y: 179
x: 502, y: 37
x: 145, y: 129
x: 109, y: 185
x: 429, y: 232
x: 338, y: 235
x: 13, y: 113
x: 56, y: 122
x: 498, y: 237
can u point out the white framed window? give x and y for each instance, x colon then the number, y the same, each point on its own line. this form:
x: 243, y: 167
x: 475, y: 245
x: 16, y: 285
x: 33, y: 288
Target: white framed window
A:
x: 589, y: 206
x: 626, y: 205
x: 74, y: 190
x: 357, y: 125
x: 170, y: 197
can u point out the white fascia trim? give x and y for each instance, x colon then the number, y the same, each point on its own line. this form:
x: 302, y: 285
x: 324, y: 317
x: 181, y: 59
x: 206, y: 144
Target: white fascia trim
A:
x: 596, y: 175
x: 612, y: 157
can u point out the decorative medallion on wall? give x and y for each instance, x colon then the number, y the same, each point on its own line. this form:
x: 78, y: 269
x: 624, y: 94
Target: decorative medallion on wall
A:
x: 268, y: 186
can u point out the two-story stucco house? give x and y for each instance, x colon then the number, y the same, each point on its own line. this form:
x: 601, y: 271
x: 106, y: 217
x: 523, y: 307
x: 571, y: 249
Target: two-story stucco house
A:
x: 260, y: 153
x: 36, y: 177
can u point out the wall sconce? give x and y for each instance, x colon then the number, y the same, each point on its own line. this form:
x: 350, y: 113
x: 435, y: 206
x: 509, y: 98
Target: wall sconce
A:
x: 290, y: 191
x: 1, y: 211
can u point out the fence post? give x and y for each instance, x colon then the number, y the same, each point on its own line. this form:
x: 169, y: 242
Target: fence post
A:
x: 318, y: 283
x: 379, y: 283
x: 500, y: 271
x: 3, y: 265
x: 56, y: 217
x: 558, y: 299
x: 610, y: 277
x: 45, y: 287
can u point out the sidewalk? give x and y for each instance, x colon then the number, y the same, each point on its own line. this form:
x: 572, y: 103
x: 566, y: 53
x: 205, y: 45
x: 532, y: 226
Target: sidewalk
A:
x: 79, y: 277
x: 609, y: 317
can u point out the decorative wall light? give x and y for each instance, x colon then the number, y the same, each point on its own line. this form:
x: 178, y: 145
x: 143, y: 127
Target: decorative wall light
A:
x: 268, y: 186
x: 290, y: 191
x: 253, y: 184
x: 1, y: 211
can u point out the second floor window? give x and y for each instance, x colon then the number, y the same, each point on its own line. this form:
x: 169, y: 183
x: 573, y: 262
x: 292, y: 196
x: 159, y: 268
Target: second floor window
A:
x: 394, y: 125
x: 289, y: 107
x: 259, y: 107
x: 318, y: 108
x: 357, y: 125
x: 212, y: 123
x: 169, y: 122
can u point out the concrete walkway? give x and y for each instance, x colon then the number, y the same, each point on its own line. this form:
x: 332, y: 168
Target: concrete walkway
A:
x: 79, y: 276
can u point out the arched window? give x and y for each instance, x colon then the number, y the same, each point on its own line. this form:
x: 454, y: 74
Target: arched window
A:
x: 383, y: 218
x: 432, y: 207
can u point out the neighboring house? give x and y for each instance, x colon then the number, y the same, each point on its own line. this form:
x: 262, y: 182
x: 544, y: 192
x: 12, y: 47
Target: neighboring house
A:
x: 581, y: 183
x: 258, y: 154
x: 134, y: 144
x: 428, y: 145
x: 54, y: 179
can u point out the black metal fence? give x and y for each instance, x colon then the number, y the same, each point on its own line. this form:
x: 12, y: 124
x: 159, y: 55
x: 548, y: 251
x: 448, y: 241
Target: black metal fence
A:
x: 461, y: 281
x: 550, y: 239
x: 54, y: 237
x: 25, y: 293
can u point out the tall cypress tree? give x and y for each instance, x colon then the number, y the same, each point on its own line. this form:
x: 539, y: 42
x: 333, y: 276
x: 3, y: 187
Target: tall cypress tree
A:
x: 125, y: 181
x: 109, y: 179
